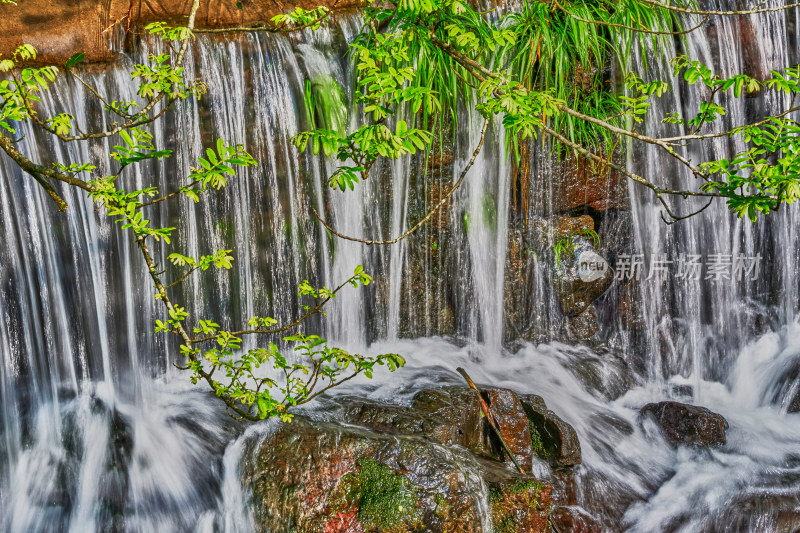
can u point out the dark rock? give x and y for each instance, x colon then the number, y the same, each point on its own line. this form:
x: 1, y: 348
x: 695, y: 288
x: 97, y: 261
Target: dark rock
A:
x: 584, y: 326
x: 327, y: 477
x: 785, y: 392
x: 687, y: 424
x: 686, y: 391
x: 448, y: 416
x: 794, y: 405
x: 581, y: 278
x: 453, y: 415
x: 553, y: 439
x: 606, y: 374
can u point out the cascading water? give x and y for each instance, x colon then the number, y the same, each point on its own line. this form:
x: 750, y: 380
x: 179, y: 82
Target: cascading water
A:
x: 99, y: 432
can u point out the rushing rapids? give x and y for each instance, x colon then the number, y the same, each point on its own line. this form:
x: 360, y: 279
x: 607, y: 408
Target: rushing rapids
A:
x: 101, y: 432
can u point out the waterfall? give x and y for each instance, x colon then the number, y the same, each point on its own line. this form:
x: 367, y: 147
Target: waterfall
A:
x: 100, y: 431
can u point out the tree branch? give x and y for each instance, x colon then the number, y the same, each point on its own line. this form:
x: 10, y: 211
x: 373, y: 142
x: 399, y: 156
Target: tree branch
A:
x: 313, y: 311
x: 721, y: 13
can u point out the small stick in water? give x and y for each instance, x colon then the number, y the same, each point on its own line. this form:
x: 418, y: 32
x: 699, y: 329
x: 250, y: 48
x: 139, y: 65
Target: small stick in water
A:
x: 490, y: 418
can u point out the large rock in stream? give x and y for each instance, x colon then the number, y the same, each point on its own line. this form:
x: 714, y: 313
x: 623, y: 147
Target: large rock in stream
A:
x: 432, y: 466
x: 687, y: 424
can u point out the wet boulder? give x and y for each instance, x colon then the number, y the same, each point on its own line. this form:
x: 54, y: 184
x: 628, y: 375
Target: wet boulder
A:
x: 512, y: 424
x: 452, y: 416
x: 448, y: 415
x: 687, y: 424
x: 330, y: 477
x: 553, y: 440
x: 581, y: 278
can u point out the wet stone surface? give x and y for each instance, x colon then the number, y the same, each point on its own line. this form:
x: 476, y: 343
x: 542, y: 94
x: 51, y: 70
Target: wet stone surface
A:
x: 687, y: 424
x: 431, y: 466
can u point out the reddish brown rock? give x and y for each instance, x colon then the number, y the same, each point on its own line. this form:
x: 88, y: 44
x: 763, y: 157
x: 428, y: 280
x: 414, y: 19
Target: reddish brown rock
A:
x: 513, y: 425
x: 574, y: 520
x: 520, y: 506
x: 328, y: 477
x: 60, y: 29
x: 576, y: 184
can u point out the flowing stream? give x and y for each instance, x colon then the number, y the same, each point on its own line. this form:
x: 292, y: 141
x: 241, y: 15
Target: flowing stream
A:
x: 100, y: 432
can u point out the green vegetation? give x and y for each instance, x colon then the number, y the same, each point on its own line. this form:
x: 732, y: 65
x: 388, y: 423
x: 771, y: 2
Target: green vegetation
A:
x: 536, y: 441
x: 386, y: 500
x: 566, y: 245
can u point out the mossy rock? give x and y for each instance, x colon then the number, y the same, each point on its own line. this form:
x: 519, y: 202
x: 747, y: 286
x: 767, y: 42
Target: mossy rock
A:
x: 383, y: 499
x: 520, y: 506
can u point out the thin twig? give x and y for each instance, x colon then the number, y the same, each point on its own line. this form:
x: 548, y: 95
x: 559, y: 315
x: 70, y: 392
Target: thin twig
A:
x: 430, y: 213
x: 721, y: 13
x: 622, y: 26
x: 314, y: 310
x: 490, y: 418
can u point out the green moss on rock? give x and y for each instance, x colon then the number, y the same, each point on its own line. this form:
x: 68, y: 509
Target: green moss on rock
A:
x: 443, y: 507
x: 521, y: 506
x: 536, y: 442
x: 385, y: 500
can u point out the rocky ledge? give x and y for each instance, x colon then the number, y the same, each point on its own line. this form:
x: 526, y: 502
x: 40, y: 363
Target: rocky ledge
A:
x: 432, y: 466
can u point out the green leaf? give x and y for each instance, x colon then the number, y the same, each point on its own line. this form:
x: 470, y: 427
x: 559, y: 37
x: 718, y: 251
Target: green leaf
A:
x: 75, y: 60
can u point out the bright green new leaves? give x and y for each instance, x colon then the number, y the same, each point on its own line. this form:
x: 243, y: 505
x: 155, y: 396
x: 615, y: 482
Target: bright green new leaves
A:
x: 360, y: 277
x: 300, y: 17
x: 169, y: 33
x: 363, y: 147
x: 177, y: 315
x: 12, y: 106
x: 17, y: 94
x: 788, y: 82
x: 215, y: 167
x: 124, y: 207
x: 161, y: 77
x: 767, y: 173
x: 761, y: 178
x: 290, y: 380
x: 221, y: 259
x: 693, y: 72
x: 635, y: 105
x: 62, y: 123
x: 384, y: 76
x: 138, y: 147
x: 74, y: 168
